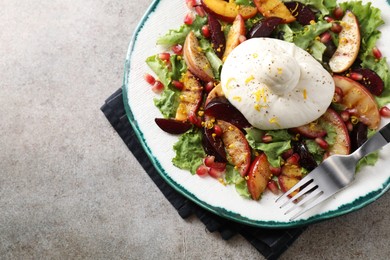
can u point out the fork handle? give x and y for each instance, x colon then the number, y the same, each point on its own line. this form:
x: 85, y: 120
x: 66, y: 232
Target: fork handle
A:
x: 377, y: 141
x: 385, y: 132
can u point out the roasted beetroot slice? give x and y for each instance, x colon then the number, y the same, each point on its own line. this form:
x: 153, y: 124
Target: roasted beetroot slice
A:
x: 358, y: 135
x: 306, y: 160
x: 265, y: 27
x: 213, y: 145
x: 173, y: 126
x: 329, y: 51
x: 302, y: 12
x: 216, y: 35
x: 222, y: 109
x: 370, y: 80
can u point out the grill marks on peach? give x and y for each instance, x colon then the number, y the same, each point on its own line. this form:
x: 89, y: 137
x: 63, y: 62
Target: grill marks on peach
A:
x: 236, y: 146
x: 190, y: 97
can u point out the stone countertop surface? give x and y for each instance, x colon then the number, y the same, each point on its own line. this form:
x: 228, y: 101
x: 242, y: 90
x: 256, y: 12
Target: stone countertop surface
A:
x: 69, y: 187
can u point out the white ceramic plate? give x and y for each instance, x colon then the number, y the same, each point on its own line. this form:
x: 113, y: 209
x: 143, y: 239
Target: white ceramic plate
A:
x: 163, y: 15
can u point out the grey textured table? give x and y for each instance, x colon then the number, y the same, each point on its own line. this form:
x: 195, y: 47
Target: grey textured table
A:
x: 68, y: 187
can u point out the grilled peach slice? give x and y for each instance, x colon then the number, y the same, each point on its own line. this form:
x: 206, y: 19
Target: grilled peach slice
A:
x: 357, y: 98
x: 236, y: 146
x: 286, y: 183
x: 235, y: 33
x: 342, y: 144
x: 196, y: 60
x: 214, y: 93
x: 190, y: 97
x: 310, y: 130
x: 276, y: 8
x: 258, y: 177
x: 292, y: 170
x: 349, y: 44
x: 228, y: 10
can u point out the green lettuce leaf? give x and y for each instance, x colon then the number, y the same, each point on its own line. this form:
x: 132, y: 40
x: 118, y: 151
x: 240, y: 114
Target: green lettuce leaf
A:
x: 244, y: 2
x: 189, y: 151
x: 317, y: 50
x: 178, y: 36
x: 160, y: 68
x: 281, y: 142
x: 168, y: 101
x: 215, y: 61
x: 233, y: 177
x: 304, y: 38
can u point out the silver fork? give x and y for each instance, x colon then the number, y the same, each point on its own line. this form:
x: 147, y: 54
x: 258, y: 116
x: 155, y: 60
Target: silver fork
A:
x: 332, y: 175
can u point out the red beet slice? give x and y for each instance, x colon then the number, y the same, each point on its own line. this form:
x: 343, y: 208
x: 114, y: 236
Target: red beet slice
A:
x: 302, y: 12
x: 370, y: 80
x: 173, y: 126
x: 217, y: 36
x: 265, y: 27
x: 221, y: 108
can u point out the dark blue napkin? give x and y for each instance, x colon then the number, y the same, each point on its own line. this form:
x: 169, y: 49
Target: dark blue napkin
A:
x: 271, y: 243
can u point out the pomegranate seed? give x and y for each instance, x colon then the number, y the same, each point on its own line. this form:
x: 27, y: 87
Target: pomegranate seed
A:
x: 339, y: 91
x: 202, y: 170
x: 287, y: 154
x: 266, y: 139
x: 275, y: 170
x: 165, y: 56
x: 194, y: 119
x: 273, y: 187
x: 206, y: 31
x: 336, y: 27
x: 189, y: 18
x: 200, y: 11
x: 293, y: 159
x: 345, y: 115
x: 220, y: 166
x: 177, y: 49
x: 209, y: 86
x: 349, y: 126
x: 384, y: 111
x: 242, y: 38
x: 149, y: 78
x: 328, y: 19
x: 218, y: 130
x: 377, y: 53
x: 326, y: 155
x: 157, y: 87
x: 190, y: 3
x: 177, y: 84
x: 356, y: 76
x: 322, y: 143
x: 338, y: 95
x: 325, y: 37
x: 338, y: 13
x: 209, y: 160
x: 216, y: 173
x: 337, y: 98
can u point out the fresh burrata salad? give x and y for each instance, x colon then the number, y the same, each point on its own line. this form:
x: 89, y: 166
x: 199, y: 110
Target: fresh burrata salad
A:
x: 260, y: 92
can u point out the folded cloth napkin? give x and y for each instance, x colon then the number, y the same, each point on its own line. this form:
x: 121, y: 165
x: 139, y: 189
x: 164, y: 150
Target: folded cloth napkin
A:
x: 271, y: 243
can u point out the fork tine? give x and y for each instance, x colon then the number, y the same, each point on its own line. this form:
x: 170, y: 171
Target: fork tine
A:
x: 308, y: 188
x: 302, y: 182
x: 309, y: 197
x: 312, y: 204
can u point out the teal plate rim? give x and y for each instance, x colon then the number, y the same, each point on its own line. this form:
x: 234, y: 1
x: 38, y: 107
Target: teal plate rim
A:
x: 342, y: 210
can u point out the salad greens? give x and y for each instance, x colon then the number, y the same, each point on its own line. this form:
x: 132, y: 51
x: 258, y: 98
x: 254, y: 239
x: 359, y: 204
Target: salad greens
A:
x: 189, y: 152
